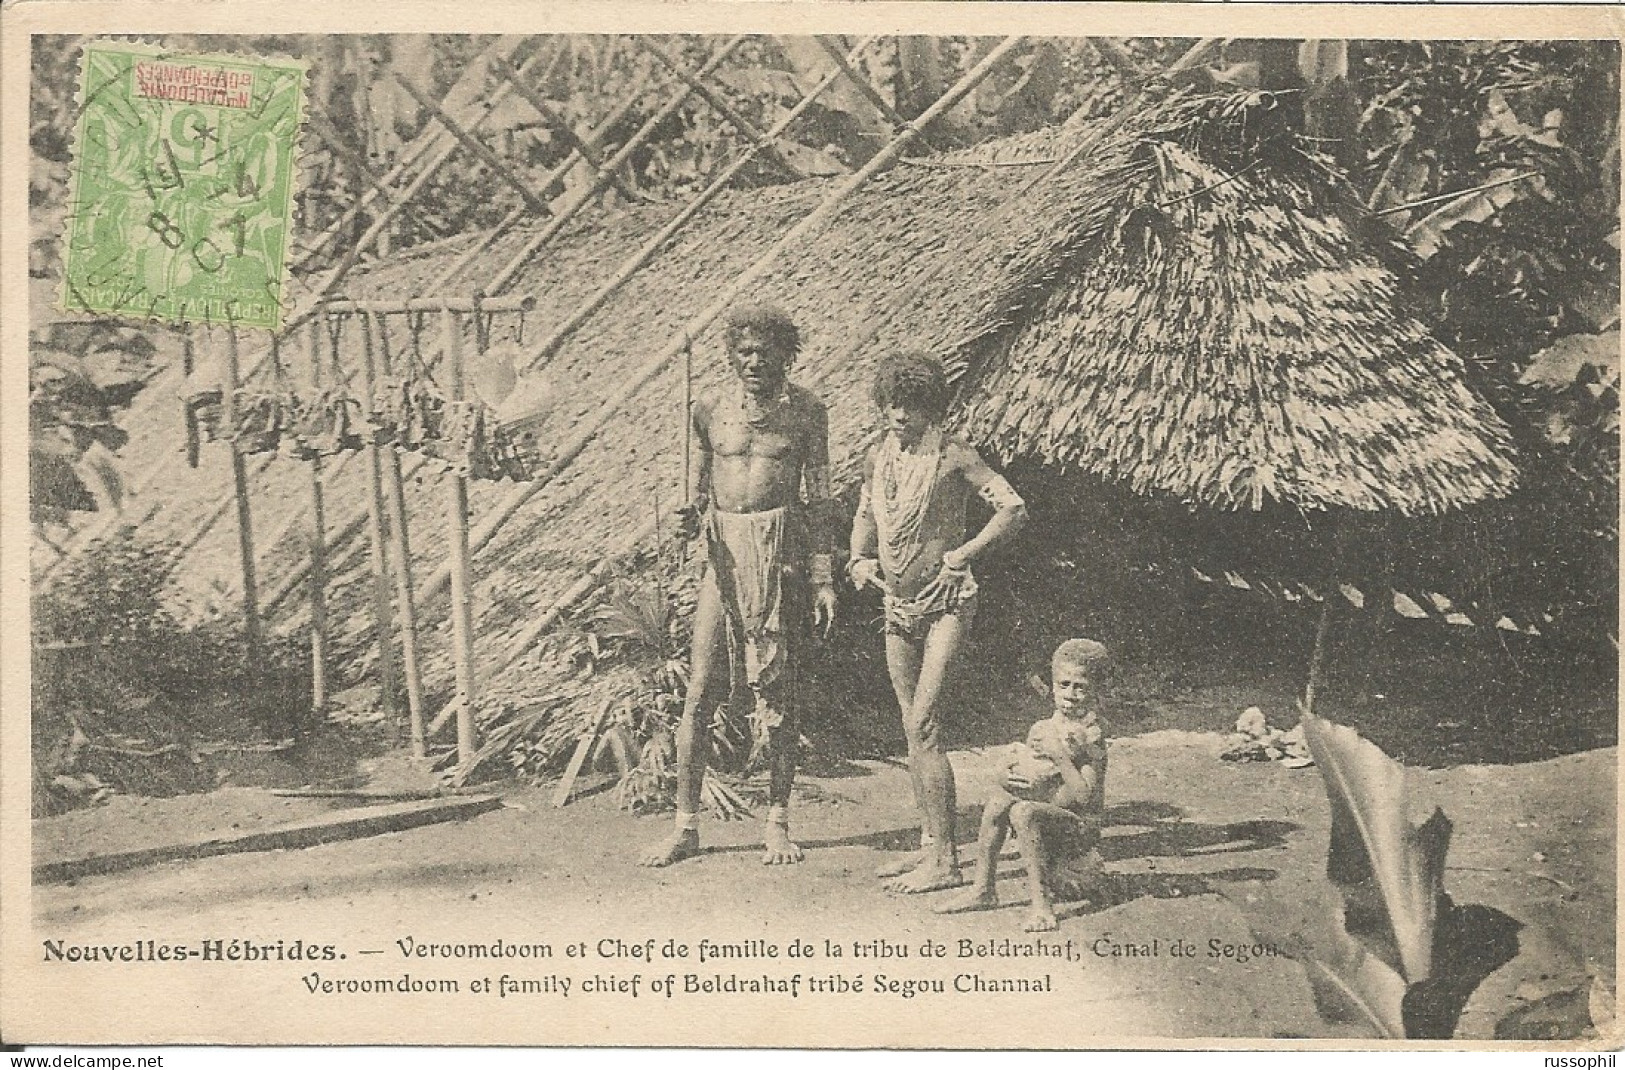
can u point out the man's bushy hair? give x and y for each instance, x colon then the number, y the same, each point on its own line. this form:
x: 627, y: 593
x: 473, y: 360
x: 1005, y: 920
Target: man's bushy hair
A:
x: 769, y: 321
x: 914, y: 380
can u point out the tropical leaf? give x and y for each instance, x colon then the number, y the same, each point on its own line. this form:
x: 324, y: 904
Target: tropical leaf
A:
x: 1560, y: 365
x: 1350, y: 981
x: 1390, y: 872
x: 1476, y: 205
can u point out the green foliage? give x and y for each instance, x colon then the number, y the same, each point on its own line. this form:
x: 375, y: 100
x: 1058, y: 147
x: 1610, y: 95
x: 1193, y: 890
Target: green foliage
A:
x: 113, y: 591
x: 80, y: 374
x: 121, y: 691
x: 1513, y: 275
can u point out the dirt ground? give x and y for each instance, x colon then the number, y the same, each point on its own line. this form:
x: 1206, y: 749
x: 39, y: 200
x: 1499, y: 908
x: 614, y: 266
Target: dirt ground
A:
x: 1210, y: 853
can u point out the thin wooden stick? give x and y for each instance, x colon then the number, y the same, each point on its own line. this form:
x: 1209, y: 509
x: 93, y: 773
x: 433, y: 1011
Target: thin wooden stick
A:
x: 722, y: 107
x: 686, y: 493
x: 506, y: 223
x: 405, y: 598
x: 318, y: 547
x: 462, y: 609
x: 861, y: 84
x: 582, y: 148
x: 474, y: 145
x: 383, y: 619
x: 245, y: 521
x: 335, y: 142
x: 1318, y: 655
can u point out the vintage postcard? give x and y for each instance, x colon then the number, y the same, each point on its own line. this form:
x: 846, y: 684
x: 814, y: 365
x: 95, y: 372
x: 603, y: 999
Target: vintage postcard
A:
x: 817, y: 526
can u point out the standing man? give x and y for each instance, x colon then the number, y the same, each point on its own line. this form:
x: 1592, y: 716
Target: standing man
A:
x: 763, y: 444
x: 908, y: 539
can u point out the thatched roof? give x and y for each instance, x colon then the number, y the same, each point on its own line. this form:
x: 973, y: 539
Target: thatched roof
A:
x: 1185, y: 309
x: 1249, y: 350
x: 1219, y: 334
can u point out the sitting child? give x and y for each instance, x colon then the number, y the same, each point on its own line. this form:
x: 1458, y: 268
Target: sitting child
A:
x: 1050, y: 793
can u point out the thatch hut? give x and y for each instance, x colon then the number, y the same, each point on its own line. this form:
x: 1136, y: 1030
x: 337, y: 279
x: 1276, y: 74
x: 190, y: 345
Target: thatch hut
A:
x: 1187, y: 309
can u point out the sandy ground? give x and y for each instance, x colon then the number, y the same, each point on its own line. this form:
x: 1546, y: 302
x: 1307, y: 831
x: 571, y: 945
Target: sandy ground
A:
x: 1205, y: 852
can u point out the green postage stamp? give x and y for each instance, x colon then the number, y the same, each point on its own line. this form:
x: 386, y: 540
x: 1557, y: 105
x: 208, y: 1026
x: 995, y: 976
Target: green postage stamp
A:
x: 183, y: 186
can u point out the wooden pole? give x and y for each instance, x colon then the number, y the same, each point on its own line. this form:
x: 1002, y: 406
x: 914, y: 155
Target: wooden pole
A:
x: 474, y: 145
x: 582, y: 148
x: 721, y: 106
x: 462, y: 610
x: 593, y: 138
x: 1317, y: 656
x: 335, y: 143
x: 685, y: 493
x: 318, y: 547
x: 422, y: 146
x: 861, y: 84
x: 383, y: 619
x: 611, y: 165
x: 245, y: 521
x: 405, y: 598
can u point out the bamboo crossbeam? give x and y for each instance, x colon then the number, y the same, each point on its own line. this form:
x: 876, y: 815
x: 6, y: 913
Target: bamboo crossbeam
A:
x: 647, y: 252
x: 547, y: 233
x: 405, y: 598
x: 637, y: 380
x: 581, y: 147
x: 721, y: 106
x: 430, y: 304
x: 245, y: 522
x: 462, y: 588
x: 318, y: 548
x: 473, y: 144
x: 580, y: 589
x: 335, y: 142
x: 1095, y: 136
x: 382, y: 618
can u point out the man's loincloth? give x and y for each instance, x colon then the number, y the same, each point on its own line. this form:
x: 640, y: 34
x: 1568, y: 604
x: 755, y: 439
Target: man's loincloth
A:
x: 912, y: 618
x: 755, y: 560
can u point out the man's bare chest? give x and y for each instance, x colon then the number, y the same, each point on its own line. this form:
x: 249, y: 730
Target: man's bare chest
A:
x: 779, y: 437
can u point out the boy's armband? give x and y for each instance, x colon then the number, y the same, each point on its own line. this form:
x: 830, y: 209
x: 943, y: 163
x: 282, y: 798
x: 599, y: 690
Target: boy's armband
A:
x: 998, y: 493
